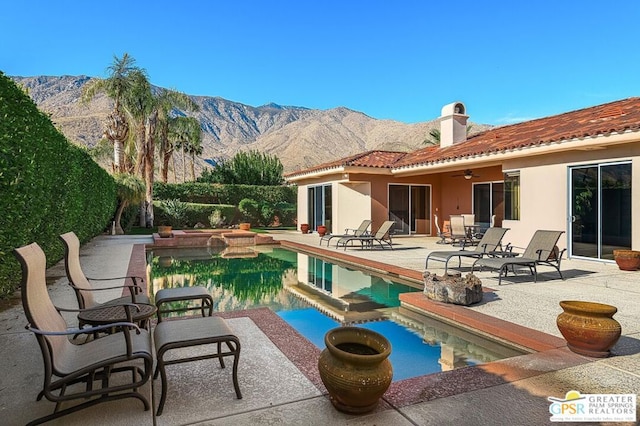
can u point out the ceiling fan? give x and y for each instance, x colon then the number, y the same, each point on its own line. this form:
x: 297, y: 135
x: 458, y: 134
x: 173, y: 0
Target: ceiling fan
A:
x: 467, y: 174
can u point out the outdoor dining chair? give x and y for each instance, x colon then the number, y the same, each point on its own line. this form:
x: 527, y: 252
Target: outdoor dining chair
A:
x: 81, y: 284
x: 442, y: 233
x: 110, y: 368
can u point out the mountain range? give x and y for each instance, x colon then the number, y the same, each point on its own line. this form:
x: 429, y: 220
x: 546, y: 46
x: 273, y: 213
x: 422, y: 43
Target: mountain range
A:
x: 300, y: 137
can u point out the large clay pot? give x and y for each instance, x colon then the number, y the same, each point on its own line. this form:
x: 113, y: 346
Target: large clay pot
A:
x: 164, y: 231
x: 627, y: 260
x: 354, y: 368
x: 304, y: 228
x: 589, y: 327
x: 244, y: 226
x: 322, y: 230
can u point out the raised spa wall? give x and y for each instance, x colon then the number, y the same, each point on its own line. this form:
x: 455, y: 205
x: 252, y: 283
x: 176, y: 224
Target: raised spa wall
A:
x: 212, y: 237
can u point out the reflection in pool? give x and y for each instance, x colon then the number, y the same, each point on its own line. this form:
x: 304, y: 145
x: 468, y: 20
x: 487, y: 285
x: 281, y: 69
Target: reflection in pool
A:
x: 313, y: 296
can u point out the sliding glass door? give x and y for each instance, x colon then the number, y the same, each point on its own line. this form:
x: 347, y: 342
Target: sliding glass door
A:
x: 409, y: 207
x: 488, y: 201
x: 600, y: 209
x: 319, y: 208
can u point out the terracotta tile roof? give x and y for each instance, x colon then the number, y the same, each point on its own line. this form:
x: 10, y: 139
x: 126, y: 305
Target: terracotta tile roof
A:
x: 375, y: 159
x: 614, y: 117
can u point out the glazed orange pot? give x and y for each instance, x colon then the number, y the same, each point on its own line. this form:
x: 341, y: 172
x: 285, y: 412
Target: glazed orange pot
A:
x: 589, y: 327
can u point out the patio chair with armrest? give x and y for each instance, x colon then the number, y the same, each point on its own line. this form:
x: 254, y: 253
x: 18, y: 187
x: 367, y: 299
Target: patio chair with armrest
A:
x: 459, y: 235
x: 348, y: 232
x: 111, y: 368
x: 490, y: 242
x: 443, y: 234
x: 382, y: 236
x: 541, y: 250
x: 81, y: 284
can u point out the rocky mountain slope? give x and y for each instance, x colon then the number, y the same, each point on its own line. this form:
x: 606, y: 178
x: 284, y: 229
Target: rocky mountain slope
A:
x: 300, y: 137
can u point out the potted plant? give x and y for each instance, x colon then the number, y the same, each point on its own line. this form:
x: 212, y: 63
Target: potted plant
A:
x: 175, y: 212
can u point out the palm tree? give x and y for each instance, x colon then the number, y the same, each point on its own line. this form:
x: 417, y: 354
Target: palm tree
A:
x: 168, y: 100
x: 185, y: 133
x: 130, y: 190
x: 433, y: 138
x: 116, y: 86
x: 195, y: 149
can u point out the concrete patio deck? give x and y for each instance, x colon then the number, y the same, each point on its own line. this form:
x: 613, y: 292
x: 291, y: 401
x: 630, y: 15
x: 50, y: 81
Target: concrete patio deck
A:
x: 277, y: 371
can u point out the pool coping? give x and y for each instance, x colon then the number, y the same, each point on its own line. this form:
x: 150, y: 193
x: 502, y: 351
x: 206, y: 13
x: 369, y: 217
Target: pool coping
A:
x: 551, y: 353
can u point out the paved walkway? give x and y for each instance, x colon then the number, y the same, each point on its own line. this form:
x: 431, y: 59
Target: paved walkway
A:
x: 278, y: 385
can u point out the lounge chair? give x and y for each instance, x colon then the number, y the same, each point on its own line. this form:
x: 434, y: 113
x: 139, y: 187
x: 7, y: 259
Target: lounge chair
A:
x: 490, y: 242
x: 382, y: 236
x: 359, y: 231
x: 81, y: 284
x: 111, y: 368
x: 541, y: 250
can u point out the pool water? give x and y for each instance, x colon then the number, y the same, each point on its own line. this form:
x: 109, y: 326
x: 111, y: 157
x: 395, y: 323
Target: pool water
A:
x: 314, y: 295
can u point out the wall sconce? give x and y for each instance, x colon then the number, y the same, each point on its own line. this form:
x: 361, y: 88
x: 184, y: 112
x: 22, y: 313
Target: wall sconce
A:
x: 345, y: 175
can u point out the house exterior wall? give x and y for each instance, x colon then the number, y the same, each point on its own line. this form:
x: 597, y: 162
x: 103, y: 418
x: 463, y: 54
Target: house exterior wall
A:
x: 544, y: 186
x: 544, y: 189
x: 352, y: 205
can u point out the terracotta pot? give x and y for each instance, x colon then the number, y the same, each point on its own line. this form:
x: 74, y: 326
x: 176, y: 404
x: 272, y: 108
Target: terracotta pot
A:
x: 627, y: 260
x: 354, y: 368
x: 589, y: 327
x: 322, y: 230
x: 164, y: 231
x: 244, y: 226
x: 304, y: 228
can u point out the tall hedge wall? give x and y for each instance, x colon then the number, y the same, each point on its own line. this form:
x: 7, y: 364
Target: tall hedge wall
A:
x: 214, y: 193
x: 47, y: 185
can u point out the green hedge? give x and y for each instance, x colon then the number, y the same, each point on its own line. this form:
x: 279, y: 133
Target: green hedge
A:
x: 211, y: 193
x: 47, y: 185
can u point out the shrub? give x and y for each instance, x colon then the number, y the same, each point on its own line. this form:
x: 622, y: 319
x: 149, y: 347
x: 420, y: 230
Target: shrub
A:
x: 198, y: 213
x: 267, y: 214
x: 287, y: 213
x: 250, y: 211
x: 176, y: 212
x: 216, y: 220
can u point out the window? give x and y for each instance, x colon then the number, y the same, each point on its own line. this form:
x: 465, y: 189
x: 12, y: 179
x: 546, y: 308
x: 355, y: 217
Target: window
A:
x: 512, y: 195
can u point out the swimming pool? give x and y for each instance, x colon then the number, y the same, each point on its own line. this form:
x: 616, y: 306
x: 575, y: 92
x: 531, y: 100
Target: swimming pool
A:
x: 314, y: 295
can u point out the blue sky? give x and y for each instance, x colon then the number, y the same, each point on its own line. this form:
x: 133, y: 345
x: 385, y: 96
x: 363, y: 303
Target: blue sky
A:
x: 508, y: 61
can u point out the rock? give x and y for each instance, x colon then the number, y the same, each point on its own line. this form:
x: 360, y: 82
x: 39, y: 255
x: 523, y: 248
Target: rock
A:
x: 453, y: 288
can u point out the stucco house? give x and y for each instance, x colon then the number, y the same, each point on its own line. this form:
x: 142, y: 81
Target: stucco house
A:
x: 578, y: 172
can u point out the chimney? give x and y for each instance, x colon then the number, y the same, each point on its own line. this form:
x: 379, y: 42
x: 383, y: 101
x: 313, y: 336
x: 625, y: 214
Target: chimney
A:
x: 453, y: 124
